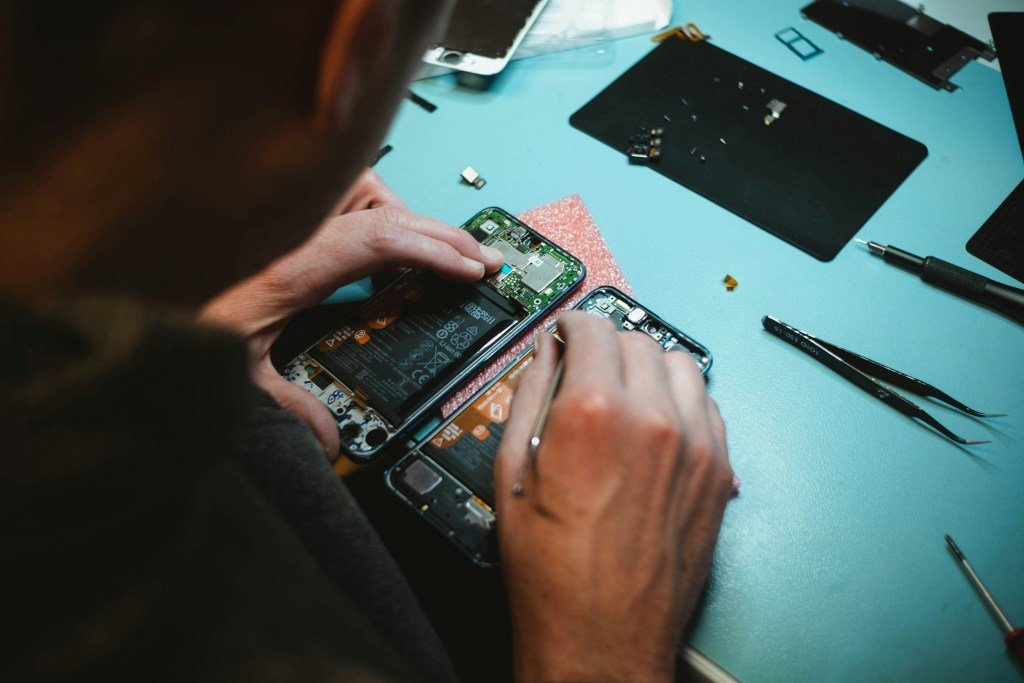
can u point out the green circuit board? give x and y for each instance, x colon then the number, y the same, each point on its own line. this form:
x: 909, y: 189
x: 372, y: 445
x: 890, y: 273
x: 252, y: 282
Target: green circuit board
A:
x: 535, y: 271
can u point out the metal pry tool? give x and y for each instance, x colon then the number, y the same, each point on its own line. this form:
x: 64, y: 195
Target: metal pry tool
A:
x: 866, y: 373
x: 539, y: 423
x: 1013, y: 637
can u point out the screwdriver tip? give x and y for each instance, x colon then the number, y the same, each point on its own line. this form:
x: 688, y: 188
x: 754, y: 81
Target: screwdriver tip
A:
x: 953, y: 546
x: 873, y: 247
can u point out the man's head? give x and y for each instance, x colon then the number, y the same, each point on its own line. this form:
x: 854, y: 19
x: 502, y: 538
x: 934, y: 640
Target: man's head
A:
x: 167, y: 149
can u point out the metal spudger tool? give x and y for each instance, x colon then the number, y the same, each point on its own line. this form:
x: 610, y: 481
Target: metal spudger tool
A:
x: 538, y: 429
x: 1006, y: 299
x: 863, y: 373
x: 1014, y: 637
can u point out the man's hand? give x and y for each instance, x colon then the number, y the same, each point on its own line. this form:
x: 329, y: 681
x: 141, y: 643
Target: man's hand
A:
x: 606, y: 553
x: 375, y: 232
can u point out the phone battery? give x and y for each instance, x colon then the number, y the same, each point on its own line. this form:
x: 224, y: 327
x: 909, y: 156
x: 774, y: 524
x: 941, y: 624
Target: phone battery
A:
x: 467, y: 445
x: 413, y: 341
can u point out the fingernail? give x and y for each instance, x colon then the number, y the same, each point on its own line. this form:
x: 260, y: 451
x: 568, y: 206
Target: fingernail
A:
x: 490, y: 253
x: 475, y: 265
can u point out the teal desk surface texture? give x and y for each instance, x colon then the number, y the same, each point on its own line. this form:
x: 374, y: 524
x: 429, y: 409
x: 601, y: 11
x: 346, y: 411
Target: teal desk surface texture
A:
x: 831, y: 563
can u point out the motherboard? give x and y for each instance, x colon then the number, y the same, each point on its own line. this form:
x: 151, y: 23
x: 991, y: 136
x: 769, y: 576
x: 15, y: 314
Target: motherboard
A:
x: 535, y: 271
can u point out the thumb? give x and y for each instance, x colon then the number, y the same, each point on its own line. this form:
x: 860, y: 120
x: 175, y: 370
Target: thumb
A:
x: 306, y: 407
x: 529, y: 397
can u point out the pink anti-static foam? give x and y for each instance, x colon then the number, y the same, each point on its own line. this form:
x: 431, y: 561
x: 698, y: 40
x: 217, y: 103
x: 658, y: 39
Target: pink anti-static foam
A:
x: 567, y: 223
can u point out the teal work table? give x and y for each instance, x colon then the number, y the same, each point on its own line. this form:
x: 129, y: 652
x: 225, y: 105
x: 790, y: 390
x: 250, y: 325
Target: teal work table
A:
x: 831, y: 563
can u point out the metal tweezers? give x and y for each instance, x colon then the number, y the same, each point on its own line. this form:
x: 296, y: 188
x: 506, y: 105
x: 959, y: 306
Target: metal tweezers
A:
x: 863, y: 373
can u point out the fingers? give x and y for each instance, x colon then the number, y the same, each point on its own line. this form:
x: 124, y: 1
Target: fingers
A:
x: 463, y: 242
x: 354, y: 246
x: 359, y: 244
x: 307, y: 408
x: 387, y: 245
x: 394, y: 237
x: 529, y: 396
x: 687, y: 386
x: 643, y: 370
x: 593, y: 356
x: 718, y: 431
x: 716, y: 423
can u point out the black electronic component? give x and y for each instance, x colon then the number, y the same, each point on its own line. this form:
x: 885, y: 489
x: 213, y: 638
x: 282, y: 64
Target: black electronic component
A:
x: 645, y: 146
x: 322, y: 380
x: 427, y: 105
x: 381, y: 153
x: 905, y: 37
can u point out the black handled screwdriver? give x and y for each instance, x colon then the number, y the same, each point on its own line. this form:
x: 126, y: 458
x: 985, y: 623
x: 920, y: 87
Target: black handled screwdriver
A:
x: 1003, y: 298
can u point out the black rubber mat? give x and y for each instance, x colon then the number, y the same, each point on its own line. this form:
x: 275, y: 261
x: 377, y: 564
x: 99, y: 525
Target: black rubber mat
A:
x: 812, y: 178
x: 1000, y: 242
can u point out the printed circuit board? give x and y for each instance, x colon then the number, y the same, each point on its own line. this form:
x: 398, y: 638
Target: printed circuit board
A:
x: 535, y: 271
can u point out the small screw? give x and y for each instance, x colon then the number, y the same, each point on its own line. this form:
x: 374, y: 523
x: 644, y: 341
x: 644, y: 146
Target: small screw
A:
x: 717, y: 79
x: 683, y: 100
x: 667, y: 118
x: 746, y: 108
x: 693, y: 117
x: 739, y: 84
x: 703, y: 159
x: 722, y: 140
x: 693, y: 151
x: 763, y: 91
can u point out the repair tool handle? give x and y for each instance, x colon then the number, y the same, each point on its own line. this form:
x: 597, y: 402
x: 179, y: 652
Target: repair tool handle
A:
x: 1003, y: 298
x: 1015, y: 642
x: 814, y: 348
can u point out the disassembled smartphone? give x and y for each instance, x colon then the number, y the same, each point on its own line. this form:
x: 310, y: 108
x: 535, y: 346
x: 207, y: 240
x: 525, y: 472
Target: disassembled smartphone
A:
x: 411, y: 344
x: 448, y: 476
x: 482, y: 35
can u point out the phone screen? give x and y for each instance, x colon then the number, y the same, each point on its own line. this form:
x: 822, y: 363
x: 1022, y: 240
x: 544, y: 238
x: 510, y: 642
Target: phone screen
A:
x: 487, y: 28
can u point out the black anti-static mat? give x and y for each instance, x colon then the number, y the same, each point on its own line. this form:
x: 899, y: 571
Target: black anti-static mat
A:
x: 812, y: 178
x: 1000, y: 242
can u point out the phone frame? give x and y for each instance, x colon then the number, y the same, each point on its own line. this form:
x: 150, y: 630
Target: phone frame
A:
x: 470, y: 364
x: 439, y: 55
x: 416, y: 452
